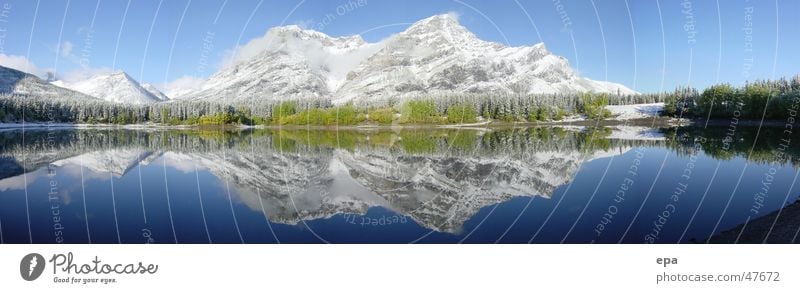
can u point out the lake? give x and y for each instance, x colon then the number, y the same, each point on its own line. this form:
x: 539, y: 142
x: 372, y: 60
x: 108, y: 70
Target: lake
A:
x: 504, y: 185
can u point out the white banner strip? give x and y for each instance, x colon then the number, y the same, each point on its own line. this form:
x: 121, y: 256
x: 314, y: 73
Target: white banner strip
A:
x: 399, y: 268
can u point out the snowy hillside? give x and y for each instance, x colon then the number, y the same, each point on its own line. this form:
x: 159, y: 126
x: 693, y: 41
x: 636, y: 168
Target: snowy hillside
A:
x: 117, y: 87
x: 434, y: 55
x: 155, y: 92
x: 19, y: 83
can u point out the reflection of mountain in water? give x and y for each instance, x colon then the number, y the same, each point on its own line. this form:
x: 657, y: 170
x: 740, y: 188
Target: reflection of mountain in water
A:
x: 438, y: 178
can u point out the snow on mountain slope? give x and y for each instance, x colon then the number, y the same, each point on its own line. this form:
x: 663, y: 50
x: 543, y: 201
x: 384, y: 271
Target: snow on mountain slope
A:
x: 290, y: 62
x: 117, y: 87
x: 20, y: 83
x: 436, y: 55
x: 155, y: 92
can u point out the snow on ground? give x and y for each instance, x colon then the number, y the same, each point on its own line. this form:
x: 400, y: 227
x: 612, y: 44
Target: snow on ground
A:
x: 627, y: 112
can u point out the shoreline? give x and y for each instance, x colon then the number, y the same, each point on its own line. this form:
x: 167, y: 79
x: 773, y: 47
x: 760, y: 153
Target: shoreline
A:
x: 780, y: 225
x: 654, y: 122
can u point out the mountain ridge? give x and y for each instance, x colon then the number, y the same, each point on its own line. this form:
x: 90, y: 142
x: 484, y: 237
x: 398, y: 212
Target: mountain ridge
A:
x: 116, y: 87
x: 433, y: 56
x: 16, y: 82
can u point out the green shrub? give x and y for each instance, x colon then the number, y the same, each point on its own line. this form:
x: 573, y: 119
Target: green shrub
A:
x: 382, y: 116
x: 417, y: 142
x: 461, y: 114
x: 343, y: 115
x: 418, y: 111
x: 718, y: 99
x: 283, y: 109
x: 594, y: 106
x: 560, y: 113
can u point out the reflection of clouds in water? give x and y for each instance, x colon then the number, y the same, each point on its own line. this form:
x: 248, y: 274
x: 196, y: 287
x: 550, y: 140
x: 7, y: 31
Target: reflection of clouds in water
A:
x: 66, y: 180
x: 18, y: 182
x: 74, y: 170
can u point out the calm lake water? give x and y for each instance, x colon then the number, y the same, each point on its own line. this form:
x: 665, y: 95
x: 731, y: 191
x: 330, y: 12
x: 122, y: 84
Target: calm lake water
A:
x: 523, y: 185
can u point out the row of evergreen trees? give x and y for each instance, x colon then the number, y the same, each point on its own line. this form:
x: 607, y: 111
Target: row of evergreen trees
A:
x: 33, y: 108
x: 772, y: 99
x: 15, y: 108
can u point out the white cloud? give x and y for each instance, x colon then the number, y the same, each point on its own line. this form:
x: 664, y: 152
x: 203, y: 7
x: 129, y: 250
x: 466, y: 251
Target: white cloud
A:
x: 338, y: 62
x: 83, y: 73
x: 454, y: 14
x: 180, y: 86
x: 305, y: 24
x: 250, y: 50
x: 66, y: 49
x: 22, y: 63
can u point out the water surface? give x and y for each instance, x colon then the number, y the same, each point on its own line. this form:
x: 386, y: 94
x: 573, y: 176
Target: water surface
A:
x: 522, y: 185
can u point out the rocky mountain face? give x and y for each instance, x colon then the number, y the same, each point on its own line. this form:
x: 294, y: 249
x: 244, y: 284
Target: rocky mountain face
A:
x: 436, y: 55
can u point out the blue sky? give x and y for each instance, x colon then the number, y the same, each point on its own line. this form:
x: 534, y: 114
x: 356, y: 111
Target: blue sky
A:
x: 648, y: 50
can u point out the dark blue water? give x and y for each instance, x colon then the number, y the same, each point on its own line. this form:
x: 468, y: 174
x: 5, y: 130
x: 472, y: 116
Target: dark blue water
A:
x: 439, y: 186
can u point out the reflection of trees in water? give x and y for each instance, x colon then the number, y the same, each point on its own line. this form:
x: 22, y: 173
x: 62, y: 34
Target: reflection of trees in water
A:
x: 438, y: 177
x: 723, y: 144
x: 452, y: 142
x: 42, y: 147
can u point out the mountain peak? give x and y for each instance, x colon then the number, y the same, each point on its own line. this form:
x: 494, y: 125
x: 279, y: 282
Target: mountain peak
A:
x: 434, y: 56
x: 13, y: 81
x: 118, y: 87
x: 291, y: 28
x: 439, y: 19
x: 307, y: 34
x: 447, y: 22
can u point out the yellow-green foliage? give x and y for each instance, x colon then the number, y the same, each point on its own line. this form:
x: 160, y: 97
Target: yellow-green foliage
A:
x: 283, y: 109
x: 344, y: 115
x: 418, y: 142
x: 414, y: 111
x: 560, y: 113
x: 463, y: 140
x: 381, y: 116
x: 461, y: 114
x: 594, y: 106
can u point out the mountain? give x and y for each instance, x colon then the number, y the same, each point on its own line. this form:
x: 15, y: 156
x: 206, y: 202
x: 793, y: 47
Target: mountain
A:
x: 20, y: 83
x: 434, y: 56
x: 117, y: 87
x: 155, y: 92
x: 294, y: 63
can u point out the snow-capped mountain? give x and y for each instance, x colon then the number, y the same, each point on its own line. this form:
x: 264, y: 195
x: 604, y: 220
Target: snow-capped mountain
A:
x: 155, y: 92
x: 434, y: 55
x: 20, y: 83
x: 294, y: 63
x: 117, y: 87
